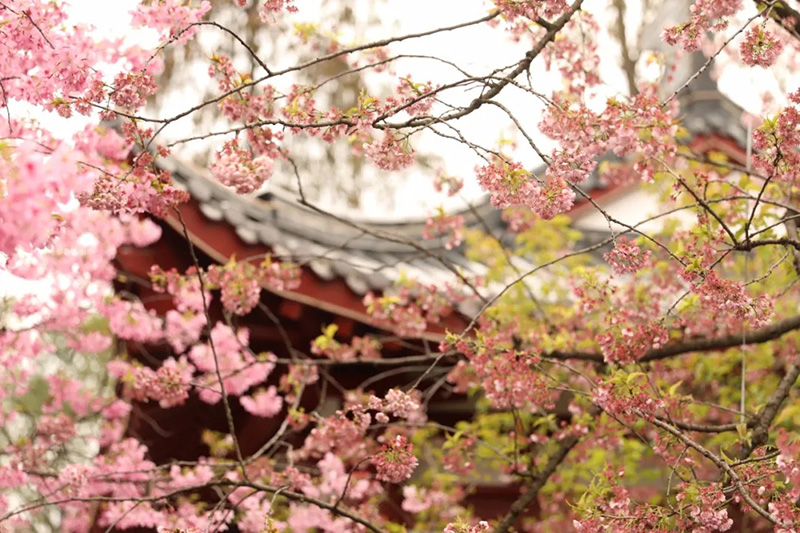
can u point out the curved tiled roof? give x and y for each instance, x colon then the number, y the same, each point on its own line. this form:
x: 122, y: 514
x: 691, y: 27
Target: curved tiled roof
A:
x: 366, y: 255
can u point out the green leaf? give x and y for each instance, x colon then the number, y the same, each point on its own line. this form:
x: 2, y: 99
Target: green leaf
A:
x: 632, y: 377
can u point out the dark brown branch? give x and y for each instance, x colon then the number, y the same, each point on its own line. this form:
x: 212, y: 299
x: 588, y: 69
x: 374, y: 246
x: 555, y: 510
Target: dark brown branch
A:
x: 766, y: 416
x: 233, y: 34
x: 783, y: 241
x: 704, y: 344
x: 302, y: 66
x: 791, y: 229
x: 628, y: 62
x: 720, y: 463
x: 521, y: 504
x: 701, y: 428
x: 782, y: 13
x: 495, y: 89
x: 220, y: 379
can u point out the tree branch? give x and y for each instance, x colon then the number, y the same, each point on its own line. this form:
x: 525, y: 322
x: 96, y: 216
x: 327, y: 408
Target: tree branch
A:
x: 522, y: 503
x: 704, y: 344
x: 763, y: 420
x: 720, y: 463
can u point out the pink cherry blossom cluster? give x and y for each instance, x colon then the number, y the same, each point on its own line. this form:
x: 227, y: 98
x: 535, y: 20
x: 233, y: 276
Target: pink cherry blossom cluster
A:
x: 572, y: 166
x: 574, y: 53
x: 554, y: 198
x: 640, y: 127
x: 342, y: 434
x: 787, y: 461
x: 170, y: 17
x: 184, y: 289
x: 443, y: 225
x: 73, y: 478
x: 776, y: 143
x: 395, y: 462
x: 415, y: 98
x: 106, y: 143
x: 627, y: 402
x: 532, y: 9
x: 57, y: 429
x: 34, y: 188
x: 183, y: 329
x: 139, y: 190
x: 279, y: 275
x: 418, y: 499
x: 130, y: 91
x: 410, y: 309
x: 264, y: 403
x: 510, y: 381
x: 296, y: 379
x: 272, y: 7
x: 240, y: 368
x: 708, y: 512
x: 706, y: 15
x: 169, y: 385
x: 131, y: 321
x: 625, y: 343
x: 785, y: 515
x: 396, y: 403
x: 760, y: 48
x: 729, y: 298
x: 626, y: 257
x: 240, y: 286
x: 48, y: 60
x: 236, y: 168
x: 221, y: 68
x: 510, y: 185
x: 616, y: 509
x: 390, y: 153
x: 359, y: 348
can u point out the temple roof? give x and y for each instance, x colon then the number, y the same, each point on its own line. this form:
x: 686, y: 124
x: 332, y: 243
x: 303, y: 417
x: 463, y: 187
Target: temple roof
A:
x: 367, y: 255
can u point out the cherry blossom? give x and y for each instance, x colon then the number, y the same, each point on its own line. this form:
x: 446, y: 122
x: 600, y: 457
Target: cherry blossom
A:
x: 442, y: 224
x: 390, y: 153
x: 395, y: 463
x: 264, y: 403
x: 759, y: 47
x: 626, y: 257
x: 234, y: 168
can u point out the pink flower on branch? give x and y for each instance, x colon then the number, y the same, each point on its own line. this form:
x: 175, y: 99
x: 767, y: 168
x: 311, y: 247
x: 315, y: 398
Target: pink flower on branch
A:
x: 264, y: 403
x: 626, y: 257
x: 390, y: 153
x: 447, y: 226
x: 510, y: 185
x: 760, y: 47
x: 706, y: 15
x: 395, y: 463
x: 531, y: 9
x: 237, y: 168
x: 170, y: 17
x: 273, y: 7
